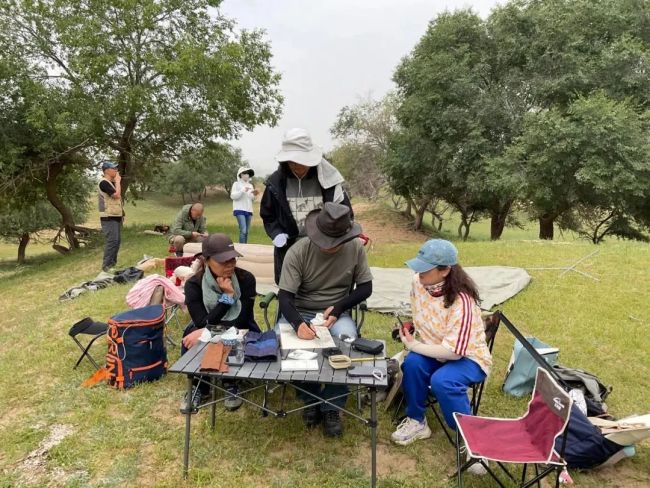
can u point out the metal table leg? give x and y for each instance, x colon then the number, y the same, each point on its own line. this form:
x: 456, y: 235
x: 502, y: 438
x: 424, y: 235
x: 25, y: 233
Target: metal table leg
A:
x: 373, y: 435
x: 213, y: 407
x: 188, y: 418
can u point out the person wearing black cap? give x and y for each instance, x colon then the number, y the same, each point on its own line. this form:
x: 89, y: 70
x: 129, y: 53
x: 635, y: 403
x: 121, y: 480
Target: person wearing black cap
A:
x: 329, y: 273
x: 111, y: 212
x: 219, y: 293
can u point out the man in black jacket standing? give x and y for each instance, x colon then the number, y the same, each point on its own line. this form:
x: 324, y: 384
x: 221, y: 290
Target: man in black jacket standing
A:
x: 303, y: 182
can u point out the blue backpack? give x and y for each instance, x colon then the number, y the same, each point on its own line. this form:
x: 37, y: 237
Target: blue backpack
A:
x: 136, y: 346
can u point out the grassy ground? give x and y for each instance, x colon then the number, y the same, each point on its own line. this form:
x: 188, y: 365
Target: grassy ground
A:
x: 134, y: 438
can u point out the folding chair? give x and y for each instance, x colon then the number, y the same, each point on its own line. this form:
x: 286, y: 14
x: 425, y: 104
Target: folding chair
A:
x: 91, y: 328
x: 526, y: 440
x: 491, y: 322
x: 171, y: 311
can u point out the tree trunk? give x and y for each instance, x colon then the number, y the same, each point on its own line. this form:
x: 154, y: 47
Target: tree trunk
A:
x: 546, y: 227
x: 24, y: 240
x: 52, y: 191
x: 419, y: 216
x: 124, y: 149
x: 408, y: 209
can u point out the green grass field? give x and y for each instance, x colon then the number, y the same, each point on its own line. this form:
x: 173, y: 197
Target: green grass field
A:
x: 135, y: 438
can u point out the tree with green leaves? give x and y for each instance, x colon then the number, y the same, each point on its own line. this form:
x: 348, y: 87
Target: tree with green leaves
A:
x: 602, y: 186
x: 25, y: 217
x: 216, y: 164
x: 364, y: 131
x: 145, y: 80
x: 456, y: 112
x: 561, y: 50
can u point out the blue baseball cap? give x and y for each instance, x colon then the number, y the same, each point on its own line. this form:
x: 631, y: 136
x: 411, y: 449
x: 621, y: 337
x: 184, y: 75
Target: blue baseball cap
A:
x: 435, y: 252
x: 108, y: 165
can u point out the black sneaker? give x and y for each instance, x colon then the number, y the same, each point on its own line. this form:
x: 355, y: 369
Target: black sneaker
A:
x: 332, y: 425
x: 311, y: 416
x: 191, y: 403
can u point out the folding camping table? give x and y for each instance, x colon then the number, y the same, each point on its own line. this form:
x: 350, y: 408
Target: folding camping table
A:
x: 266, y: 374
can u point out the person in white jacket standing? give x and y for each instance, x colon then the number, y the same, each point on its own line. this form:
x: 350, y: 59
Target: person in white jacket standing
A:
x: 243, y: 193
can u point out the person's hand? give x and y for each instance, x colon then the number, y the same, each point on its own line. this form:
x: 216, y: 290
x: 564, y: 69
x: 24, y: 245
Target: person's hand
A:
x: 190, y: 340
x: 280, y: 240
x: 407, y: 339
x: 226, y: 285
x: 329, y: 318
x: 305, y: 332
x: 118, y: 177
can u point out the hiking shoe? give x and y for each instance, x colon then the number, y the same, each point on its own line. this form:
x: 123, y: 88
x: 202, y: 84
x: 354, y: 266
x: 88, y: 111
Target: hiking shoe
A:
x: 311, y: 416
x: 332, y: 426
x: 410, y: 430
x: 191, y: 403
x: 232, y: 402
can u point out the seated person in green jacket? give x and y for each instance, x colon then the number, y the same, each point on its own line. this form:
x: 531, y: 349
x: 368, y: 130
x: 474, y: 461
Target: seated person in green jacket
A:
x: 189, y: 226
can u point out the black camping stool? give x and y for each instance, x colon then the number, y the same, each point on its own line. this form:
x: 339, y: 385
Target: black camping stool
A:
x: 91, y: 328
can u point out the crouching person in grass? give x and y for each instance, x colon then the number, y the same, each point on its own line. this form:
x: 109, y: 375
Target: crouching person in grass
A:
x: 219, y: 293
x: 318, y: 275
x: 451, y: 352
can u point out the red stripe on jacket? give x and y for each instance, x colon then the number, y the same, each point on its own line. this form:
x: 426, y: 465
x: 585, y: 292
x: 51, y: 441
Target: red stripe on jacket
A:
x: 465, y: 325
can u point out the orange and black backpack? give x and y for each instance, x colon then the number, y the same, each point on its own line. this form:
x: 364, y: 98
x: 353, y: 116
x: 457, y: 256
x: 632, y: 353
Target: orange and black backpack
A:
x: 136, y: 348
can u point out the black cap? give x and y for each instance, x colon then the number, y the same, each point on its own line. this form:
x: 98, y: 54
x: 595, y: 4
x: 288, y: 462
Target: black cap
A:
x: 219, y: 247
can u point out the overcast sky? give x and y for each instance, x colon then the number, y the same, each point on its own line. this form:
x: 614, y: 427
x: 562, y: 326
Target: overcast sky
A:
x: 330, y: 53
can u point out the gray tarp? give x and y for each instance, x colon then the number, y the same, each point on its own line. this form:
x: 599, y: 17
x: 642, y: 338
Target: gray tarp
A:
x: 391, y: 286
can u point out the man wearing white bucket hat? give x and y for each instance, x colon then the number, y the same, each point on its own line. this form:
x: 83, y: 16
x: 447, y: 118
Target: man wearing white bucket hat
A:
x: 303, y: 182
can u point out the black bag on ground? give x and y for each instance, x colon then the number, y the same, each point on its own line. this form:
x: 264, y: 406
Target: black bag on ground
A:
x: 586, y: 446
x: 594, y: 390
x: 128, y: 275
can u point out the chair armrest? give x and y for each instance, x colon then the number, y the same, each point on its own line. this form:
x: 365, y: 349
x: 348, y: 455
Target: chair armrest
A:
x: 267, y: 299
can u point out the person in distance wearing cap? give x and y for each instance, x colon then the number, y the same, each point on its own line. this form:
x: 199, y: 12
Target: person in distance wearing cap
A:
x: 303, y: 182
x: 318, y: 275
x: 450, y: 352
x: 111, y: 212
x: 219, y: 293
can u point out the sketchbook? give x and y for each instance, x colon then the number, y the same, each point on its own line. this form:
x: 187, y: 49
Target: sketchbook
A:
x: 289, y: 339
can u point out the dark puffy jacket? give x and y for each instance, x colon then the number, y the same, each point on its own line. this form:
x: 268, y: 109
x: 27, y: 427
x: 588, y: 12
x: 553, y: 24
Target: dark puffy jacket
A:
x: 277, y: 216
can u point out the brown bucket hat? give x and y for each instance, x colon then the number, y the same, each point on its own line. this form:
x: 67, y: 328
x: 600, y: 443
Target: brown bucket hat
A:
x: 331, y: 226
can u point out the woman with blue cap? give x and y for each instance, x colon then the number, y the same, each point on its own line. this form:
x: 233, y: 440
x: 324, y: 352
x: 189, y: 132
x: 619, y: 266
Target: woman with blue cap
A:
x: 450, y: 352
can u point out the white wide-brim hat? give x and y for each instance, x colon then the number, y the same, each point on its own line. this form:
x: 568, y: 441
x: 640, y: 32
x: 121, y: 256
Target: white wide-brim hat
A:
x: 298, y: 147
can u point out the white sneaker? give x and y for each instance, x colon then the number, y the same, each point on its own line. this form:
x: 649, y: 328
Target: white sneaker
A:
x: 410, y: 430
x: 476, y: 469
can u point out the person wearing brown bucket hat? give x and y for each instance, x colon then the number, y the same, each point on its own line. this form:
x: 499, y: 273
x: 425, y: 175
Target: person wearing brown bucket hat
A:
x: 219, y: 294
x: 328, y: 272
x: 303, y: 182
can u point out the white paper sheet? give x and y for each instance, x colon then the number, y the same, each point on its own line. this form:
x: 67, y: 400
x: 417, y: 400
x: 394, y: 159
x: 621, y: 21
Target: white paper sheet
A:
x: 299, y: 365
x: 289, y: 339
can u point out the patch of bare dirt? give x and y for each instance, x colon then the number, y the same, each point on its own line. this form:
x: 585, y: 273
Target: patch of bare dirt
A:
x: 384, y: 225
x: 33, y: 468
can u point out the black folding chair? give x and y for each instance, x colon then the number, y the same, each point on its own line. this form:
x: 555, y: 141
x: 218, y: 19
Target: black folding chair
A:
x: 90, y: 328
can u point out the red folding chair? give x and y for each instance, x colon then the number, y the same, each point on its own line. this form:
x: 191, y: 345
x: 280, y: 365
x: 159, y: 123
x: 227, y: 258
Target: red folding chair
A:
x: 526, y: 440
